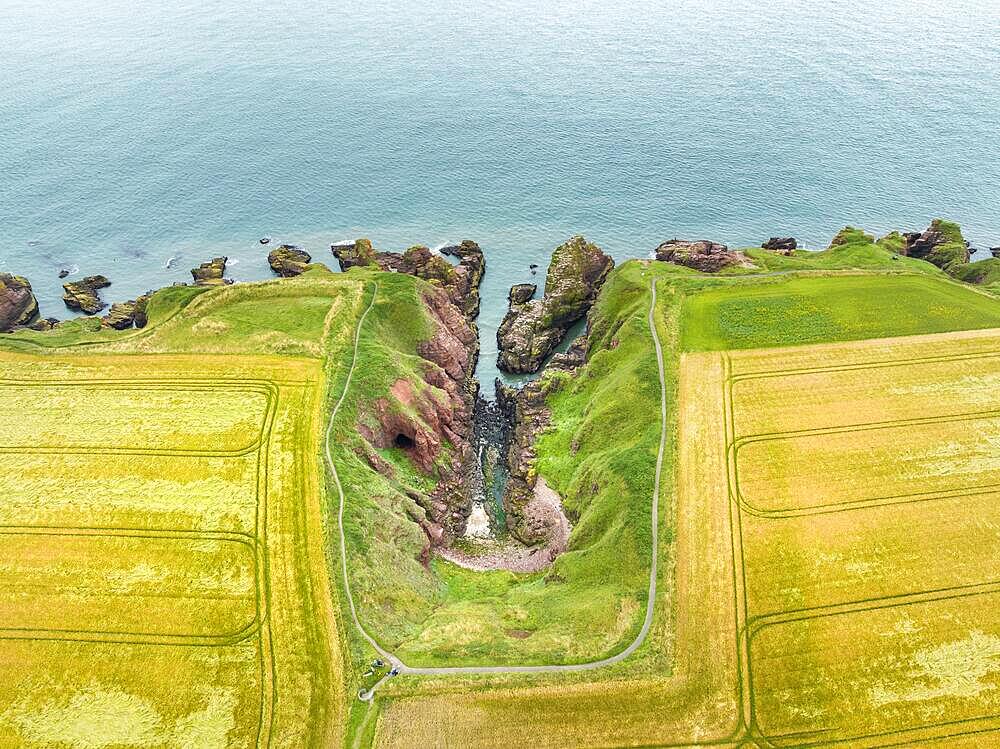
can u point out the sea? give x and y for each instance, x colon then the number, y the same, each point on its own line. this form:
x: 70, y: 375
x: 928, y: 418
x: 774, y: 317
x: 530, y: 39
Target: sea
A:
x: 138, y: 139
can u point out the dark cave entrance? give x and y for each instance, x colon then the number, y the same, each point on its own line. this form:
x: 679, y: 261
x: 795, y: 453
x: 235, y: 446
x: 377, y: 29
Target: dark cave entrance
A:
x: 403, y: 441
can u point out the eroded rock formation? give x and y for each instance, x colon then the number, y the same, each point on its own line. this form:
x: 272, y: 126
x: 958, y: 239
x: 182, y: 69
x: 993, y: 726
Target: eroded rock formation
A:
x: 211, y: 273
x: 937, y: 245
x: 781, y: 245
x: 18, y: 306
x: 287, y: 261
x: 431, y: 419
x: 82, y: 295
x: 123, y: 315
x: 703, y: 255
x: 533, y: 328
x: 460, y: 282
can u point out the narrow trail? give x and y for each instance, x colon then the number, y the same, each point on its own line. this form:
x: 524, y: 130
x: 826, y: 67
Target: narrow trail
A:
x: 394, y: 660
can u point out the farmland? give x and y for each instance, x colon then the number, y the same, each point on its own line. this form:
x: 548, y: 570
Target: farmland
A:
x: 163, y: 576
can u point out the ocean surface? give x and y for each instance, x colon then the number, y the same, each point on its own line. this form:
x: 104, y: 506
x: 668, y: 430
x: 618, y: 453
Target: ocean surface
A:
x: 136, y: 133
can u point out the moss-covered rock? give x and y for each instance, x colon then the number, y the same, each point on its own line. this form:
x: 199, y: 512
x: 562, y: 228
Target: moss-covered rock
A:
x: 941, y: 244
x: 352, y: 254
x: 468, y: 275
x: 18, y: 306
x: 531, y: 330
x: 851, y: 235
x: 288, y: 261
x: 983, y: 272
x: 211, y: 273
x: 82, y: 295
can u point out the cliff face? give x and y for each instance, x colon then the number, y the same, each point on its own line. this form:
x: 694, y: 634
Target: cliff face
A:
x: 533, y: 328
x: 427, y: 412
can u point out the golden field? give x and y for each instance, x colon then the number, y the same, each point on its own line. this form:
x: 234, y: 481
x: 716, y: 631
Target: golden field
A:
x: 162, y: 574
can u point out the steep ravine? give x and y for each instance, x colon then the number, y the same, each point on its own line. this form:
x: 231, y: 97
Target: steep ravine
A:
x: 485, y: 507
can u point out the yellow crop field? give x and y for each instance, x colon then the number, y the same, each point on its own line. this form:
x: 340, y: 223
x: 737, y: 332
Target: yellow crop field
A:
x: 838, y: 519
x: 162, y: 574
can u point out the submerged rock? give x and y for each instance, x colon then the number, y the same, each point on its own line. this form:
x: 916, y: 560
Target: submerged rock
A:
x: 82, y: 295
x: 18, y: 306
x: 782, y: 245
x: 287, y: 261
x: 702, y: 254
x: 211, y: 273
x: 531, y: 330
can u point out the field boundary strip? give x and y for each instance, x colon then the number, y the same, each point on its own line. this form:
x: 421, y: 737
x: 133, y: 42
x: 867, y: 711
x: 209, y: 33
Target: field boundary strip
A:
x: 749, y: 627
x: 877, y: 364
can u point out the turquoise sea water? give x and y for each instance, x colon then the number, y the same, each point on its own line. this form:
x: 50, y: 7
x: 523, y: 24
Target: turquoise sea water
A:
x: 133, y: 133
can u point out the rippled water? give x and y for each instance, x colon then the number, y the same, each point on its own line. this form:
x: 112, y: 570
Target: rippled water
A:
x: 132, y: 134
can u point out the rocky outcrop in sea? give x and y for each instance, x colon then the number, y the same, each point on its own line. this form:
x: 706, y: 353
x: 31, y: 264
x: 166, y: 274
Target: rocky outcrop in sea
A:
x: 18, y: 307
x: 287, y: 260
x: 532, y: 328
x: 83, y: 296
x: 702, y: 254
x: 781, y: 245
x: 211, y: 273
x: 460, y: 282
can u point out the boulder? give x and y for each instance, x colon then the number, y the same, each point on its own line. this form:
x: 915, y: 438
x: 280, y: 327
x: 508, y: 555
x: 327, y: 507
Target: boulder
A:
x: 520, y: 293
x: 43, y: 324
x: 211, y: 273
x: 18, y: 306
x: 287, y: 260
x: 783, y: 245
x: 353, y: 254
x: 702, y: 254
x: 530, y: 331
x: 120, y: 317
x: 82, y: 295
x: 995, y: 251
